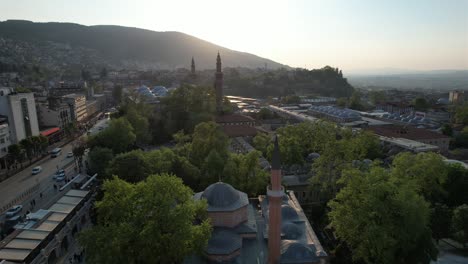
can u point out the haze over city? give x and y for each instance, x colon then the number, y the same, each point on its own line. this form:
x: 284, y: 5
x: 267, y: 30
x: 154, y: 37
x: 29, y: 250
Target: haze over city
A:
x: 358, y: 36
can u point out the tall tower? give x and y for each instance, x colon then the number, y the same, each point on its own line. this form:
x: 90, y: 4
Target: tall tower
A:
x: 192, y: 68
x: 275, y: 194
x: 219, y: 85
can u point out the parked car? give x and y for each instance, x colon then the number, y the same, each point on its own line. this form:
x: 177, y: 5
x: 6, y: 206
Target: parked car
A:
x: 14, y: 211
x: 36, y: 170
x: 60, y: 177
x: 69, y: 154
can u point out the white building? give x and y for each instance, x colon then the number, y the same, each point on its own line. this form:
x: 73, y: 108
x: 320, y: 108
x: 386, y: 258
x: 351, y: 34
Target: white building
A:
x: 20, y: 111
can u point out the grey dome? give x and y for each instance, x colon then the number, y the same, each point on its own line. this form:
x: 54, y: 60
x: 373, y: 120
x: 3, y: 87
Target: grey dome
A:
x: 220, y: 194
x: 288, y: 213
x: 294, y: 252
x: 291, y: 231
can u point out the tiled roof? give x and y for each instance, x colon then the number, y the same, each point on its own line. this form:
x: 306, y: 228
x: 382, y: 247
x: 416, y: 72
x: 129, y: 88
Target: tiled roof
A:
x: 240, y: 131
x: 233, y: 118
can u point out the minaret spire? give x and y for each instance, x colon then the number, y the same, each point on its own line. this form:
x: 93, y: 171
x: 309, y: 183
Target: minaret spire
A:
x: 193, y: 67
x: 219, y: 86
x: 275, y: 193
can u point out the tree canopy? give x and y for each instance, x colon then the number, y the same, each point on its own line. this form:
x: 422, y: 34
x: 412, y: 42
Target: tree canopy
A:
x: 153, y: 221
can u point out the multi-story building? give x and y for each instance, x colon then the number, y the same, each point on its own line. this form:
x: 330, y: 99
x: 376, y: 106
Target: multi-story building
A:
x: 20, y: 111
x: 64, y: 88
x: 77, y: 105
x: 456, y: 97
x: 4, y: 137
x: 58, y: 116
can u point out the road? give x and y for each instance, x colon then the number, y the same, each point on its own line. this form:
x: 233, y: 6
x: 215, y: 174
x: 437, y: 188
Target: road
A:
x: 23, y: 187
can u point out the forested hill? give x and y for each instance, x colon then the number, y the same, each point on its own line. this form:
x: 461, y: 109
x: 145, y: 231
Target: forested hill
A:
x: 57, y: 43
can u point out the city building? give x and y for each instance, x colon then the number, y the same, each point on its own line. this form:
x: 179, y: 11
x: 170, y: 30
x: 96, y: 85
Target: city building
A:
x: 77, y: 105
x: 58, y: 116
x: 4, y: 137
x: 64, y: 88
x: 417, y: 134
x: 20, y: 112
x: 456, y: 97
x: 48, y: 234
x: 279, y: 232
x: 399, y: 108
x: 334, y: 114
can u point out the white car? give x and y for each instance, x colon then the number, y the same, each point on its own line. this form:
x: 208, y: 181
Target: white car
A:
x: 69, y: 154
x: 14, y: 210
x: 36, y: 170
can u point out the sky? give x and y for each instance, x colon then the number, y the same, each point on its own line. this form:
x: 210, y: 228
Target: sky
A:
x: 354, y: 35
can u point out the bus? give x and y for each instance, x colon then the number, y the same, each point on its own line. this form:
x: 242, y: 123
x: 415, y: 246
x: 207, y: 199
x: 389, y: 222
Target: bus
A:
x: 56, y: 152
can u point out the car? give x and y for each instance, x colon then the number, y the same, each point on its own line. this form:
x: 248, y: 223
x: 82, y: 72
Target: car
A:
x: 60, y: 177
x: 36, y: 170
x: 59, y: 173
x: 69, y: 154
x: 14, y: 211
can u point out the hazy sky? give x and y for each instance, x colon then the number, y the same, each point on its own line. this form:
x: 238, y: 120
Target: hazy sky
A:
x: 350, y: 34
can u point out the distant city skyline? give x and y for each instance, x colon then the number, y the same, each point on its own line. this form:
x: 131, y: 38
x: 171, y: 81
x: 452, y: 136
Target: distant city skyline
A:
x: 352, y: 35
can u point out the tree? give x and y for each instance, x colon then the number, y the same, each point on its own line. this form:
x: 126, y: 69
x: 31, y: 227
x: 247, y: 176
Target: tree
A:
x: 78, y: 150
x: 153, y: 221
x: 28, y: 147
x: 341, y: 102
x: 420, y: 104
x: 98, y: 160
x: 456, y: 185
x: 377, y: 96
x: 355, y: 101
x: 140, y: 125
x: 447, y: 130
x: 382, y: 221
x: 119, y: 136
x: 441, y: 221
x: 461, y: 115
x: 15, y: 153
x: 460, y: 223
x: 208, y: 136
x: 131, y: 166
x: 265, y: 113
x: 427, y: 172
x: 261, y: 142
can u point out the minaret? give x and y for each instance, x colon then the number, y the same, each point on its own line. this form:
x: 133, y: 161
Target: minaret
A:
x: 275, y: 194
x: 219, y: 85
x: 192, y: 69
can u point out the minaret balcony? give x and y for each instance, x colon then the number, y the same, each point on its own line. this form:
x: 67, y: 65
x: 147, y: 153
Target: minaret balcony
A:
x: 275, y: 193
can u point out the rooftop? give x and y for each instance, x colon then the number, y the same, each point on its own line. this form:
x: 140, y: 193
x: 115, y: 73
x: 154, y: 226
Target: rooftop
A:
x: 408, y: 132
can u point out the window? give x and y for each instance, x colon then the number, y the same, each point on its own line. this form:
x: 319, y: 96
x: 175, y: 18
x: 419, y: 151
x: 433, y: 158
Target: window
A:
x: 2, y: 140
x: 27, y: 121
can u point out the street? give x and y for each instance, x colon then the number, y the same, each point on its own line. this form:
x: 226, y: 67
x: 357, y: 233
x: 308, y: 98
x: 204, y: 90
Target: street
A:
x: 23, y: 187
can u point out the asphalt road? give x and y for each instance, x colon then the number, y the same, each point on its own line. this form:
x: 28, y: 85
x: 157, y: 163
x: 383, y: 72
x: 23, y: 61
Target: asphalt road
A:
x: 24, y: 187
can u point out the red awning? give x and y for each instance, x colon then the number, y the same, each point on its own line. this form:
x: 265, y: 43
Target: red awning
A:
x: 50, y: 131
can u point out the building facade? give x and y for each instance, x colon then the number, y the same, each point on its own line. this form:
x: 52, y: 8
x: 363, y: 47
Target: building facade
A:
x: 77, y: 105
x: 4, y: 139
x: 57, y: 117
x: 20, y: 112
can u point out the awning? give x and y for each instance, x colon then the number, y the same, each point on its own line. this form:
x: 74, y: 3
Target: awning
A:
x: 50, y: 131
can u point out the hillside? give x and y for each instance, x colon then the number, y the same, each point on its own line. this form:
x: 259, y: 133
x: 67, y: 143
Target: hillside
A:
x: 66, y: 43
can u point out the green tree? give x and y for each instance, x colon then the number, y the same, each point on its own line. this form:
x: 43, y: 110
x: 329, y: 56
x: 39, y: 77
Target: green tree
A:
x: 460, y: 223
x: 420, y: 104
x: 78, y: 150
x: 456, y: 185
x: 140, y: 125
x: 208, y: 136
x: 28, y: 146
x: 149, y: 222
x: 447, y: 130
x: 377, y: 96
x: 342, y: 102
x: 355, y: 101
x: 265, y: 113
x: 261, y: 142
x: 461, y: 115
x: 15, y: 153
x: 119, y: 136
x: 441, y: 221
x: 131, y: 166
x: 98, y: 160
x: 381, y: 220
x: 427, y: 172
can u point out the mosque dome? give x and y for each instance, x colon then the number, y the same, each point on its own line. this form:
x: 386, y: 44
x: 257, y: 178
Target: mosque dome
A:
x: 291, y: 231
x: 295, y: 252
x: 221, y: 194
x: 288, y: 213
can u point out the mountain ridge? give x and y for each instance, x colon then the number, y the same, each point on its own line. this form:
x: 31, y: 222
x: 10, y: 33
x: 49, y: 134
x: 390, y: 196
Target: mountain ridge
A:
x: 131, y: 45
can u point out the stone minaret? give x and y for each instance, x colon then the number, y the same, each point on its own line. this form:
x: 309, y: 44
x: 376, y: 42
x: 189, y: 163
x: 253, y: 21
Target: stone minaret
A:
x: 275, y: 194
x: 192, y: 68
x: 219, y: 85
